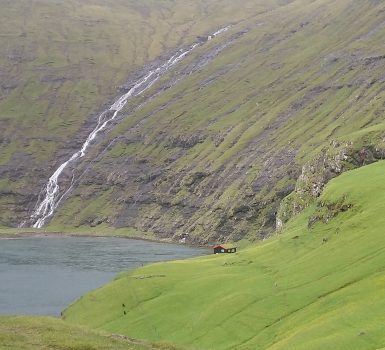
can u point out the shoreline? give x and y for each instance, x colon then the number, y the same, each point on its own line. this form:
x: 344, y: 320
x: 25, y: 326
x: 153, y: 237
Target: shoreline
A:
x: 33, y: 234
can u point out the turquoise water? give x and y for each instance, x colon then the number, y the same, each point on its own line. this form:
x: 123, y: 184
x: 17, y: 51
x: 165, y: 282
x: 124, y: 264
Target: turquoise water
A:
x: 41, y: 276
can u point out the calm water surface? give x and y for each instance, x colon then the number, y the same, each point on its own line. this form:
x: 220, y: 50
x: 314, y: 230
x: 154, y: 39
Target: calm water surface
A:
x: 43, y: 275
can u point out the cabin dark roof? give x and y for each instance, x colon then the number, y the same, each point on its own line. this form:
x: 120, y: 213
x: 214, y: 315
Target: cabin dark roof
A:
x: 225, y: 246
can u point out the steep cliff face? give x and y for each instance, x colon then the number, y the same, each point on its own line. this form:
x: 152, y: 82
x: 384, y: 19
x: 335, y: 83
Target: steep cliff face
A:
x: 63, y: 62
x: 211, y: 149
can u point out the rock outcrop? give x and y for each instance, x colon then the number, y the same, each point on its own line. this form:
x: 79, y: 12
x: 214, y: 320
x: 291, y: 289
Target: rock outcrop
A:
x: 329, y: 163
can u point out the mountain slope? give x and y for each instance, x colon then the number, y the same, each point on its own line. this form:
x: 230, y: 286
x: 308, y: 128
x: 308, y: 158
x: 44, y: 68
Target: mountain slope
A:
x: 62, y: 62
x: 208, y: 153
x: 211, y: 157
x: 318, y: 285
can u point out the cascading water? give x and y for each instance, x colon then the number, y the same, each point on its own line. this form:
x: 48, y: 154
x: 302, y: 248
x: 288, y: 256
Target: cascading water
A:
x: 46, y: 207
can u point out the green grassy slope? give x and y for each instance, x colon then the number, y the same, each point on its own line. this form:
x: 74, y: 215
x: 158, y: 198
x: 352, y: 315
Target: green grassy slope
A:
x: 309, y: 288
x: 37, y: 333
x: 214, y: 155
x: 62, y: 61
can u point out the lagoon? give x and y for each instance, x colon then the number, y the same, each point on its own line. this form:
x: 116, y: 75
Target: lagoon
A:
x: 43, y: 275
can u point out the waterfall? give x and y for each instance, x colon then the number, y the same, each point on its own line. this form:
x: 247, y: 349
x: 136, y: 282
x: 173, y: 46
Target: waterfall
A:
x: 51, y: 192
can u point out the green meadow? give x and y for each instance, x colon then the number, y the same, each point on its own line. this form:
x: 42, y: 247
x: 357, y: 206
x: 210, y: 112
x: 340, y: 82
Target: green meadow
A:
x: 321, y: 287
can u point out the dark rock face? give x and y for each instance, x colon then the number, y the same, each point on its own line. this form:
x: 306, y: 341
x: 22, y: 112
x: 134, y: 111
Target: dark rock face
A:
x: 185, y: 141
x: 155, y: 197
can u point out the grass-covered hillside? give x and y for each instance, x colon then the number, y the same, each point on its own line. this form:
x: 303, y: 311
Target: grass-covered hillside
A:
x: 318, y: 285
x: 37, y: 333
x: 208, y: 153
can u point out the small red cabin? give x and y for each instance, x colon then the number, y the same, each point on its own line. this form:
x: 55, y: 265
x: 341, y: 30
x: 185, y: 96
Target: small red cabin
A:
x: 224, y: 248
